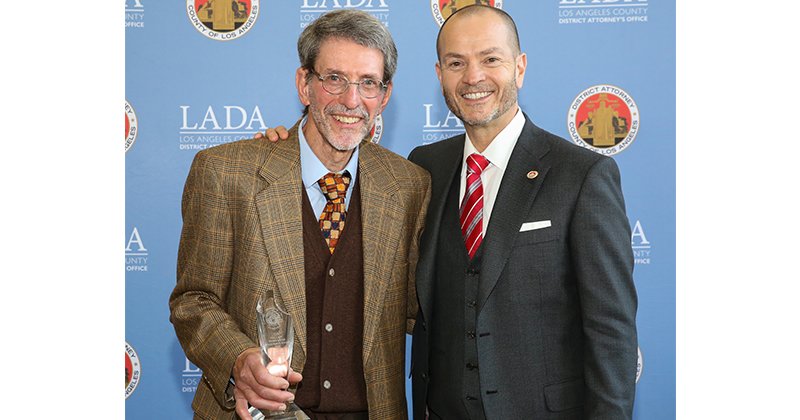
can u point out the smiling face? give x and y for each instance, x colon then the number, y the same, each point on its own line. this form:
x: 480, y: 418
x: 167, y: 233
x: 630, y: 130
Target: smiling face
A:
x: 480, y: 69
x: 341, y: 121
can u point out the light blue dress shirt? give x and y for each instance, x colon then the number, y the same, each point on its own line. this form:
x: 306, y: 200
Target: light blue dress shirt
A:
x: 312, y: 170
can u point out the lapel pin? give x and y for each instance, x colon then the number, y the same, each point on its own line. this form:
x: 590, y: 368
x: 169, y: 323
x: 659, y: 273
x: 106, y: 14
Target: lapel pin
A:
x: 533, y: 174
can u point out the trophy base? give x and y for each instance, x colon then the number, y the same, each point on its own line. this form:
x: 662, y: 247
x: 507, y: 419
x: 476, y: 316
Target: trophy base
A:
x: 293, y: 412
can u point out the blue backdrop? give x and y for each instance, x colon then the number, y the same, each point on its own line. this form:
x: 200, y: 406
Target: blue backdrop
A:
x: 195, y: 80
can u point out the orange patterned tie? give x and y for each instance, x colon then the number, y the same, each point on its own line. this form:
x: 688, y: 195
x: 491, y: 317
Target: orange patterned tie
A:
x: 331, y: 221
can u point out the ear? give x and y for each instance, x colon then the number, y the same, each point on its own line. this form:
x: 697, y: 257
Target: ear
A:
x: 301, y: 81
x: 439, y: 72
x: 386, y: 96
x: 522, y: 65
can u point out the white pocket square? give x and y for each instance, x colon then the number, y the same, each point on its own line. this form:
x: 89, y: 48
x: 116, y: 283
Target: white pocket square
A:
x: 534, y: 225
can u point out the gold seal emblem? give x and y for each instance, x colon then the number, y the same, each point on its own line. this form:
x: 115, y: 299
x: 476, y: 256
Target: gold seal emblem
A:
x: 442, y: 9
x: 603, y: 118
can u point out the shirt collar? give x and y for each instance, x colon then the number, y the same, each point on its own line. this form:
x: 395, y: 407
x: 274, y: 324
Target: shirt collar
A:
x: 312, y: 168
x: 499, y: 150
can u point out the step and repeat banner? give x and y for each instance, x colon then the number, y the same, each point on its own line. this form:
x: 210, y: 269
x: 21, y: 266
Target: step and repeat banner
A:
x: 199, y: 73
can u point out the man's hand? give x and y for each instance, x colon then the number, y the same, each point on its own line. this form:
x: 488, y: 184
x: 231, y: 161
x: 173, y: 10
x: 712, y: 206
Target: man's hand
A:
x: 273, y: 134
x: 256, y: 386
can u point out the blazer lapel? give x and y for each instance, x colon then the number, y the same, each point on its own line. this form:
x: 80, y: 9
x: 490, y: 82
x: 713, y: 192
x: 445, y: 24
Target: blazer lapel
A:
x: 514, y: 199
x: 381, y: 217
x: 279, y: 208
x: 442, y: 177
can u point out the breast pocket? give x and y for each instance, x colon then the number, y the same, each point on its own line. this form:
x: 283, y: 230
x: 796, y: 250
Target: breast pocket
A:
x: 535, y: 236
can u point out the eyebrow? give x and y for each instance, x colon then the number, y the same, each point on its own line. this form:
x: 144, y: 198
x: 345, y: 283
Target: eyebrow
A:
x: 483, y: 53
x: 343, y: 73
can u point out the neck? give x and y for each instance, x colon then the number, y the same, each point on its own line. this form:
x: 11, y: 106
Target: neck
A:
x: 334, y: 159
x: 482, y: 136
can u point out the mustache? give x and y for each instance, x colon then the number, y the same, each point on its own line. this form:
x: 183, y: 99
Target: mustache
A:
x: 476, y: 89
x: 360, y: 112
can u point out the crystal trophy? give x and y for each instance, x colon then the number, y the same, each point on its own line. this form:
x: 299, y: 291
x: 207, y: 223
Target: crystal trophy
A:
x: 276, y: 339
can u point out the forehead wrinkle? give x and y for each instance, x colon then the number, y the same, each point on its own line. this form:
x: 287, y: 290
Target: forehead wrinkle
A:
x: 491, y: 50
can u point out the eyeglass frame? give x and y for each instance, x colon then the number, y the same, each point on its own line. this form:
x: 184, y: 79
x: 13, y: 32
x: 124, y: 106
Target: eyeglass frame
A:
x: 347, y: 81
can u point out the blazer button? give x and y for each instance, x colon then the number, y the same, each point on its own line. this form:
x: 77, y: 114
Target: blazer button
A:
x: 471, y: 366
x: 425, y: 376
x: 471, y: 334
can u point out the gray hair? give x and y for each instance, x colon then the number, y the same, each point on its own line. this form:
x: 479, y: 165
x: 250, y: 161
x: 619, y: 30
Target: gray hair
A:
x: 351, y: 24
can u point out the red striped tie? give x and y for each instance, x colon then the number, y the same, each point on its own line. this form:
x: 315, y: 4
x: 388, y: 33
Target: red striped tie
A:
x: 472, y: 204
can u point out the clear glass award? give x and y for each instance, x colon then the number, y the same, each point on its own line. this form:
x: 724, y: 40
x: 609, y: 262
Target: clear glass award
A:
x: 276, y: 339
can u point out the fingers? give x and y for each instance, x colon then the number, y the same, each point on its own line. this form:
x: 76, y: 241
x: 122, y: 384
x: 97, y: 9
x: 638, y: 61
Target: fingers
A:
x: 241, y: 405
x: 267, y: 398
x: 272, y: 134
x: 282, y: 132
x: 243, y: 410
x: 256, y: 386
x: 294, y: 377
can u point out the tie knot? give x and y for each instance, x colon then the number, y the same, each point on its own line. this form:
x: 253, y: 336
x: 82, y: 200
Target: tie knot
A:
x: 476, y: 163
x: 334, y: 186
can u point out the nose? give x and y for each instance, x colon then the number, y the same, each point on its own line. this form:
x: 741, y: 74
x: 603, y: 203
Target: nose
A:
x: 350, y: 97
x: 473, y: 74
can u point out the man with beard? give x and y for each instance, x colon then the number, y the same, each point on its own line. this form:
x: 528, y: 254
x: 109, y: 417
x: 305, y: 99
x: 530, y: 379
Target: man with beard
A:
x: 326, y: 222
x: 527, y: 304
x: 527, y: 307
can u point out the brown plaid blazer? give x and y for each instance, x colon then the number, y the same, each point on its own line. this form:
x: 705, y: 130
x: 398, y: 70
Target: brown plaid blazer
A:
x: 242, y: 235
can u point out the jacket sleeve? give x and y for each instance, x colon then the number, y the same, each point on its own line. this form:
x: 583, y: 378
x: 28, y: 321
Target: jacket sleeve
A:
x: 210, y: 337
x: 413, y: 254
x: 603, y: 262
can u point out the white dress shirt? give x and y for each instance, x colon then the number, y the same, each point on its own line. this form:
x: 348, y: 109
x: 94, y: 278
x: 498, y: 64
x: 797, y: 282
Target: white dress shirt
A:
x: 498, y: 153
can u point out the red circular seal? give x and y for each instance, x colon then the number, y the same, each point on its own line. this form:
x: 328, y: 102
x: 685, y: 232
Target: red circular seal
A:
x: 133, y: 370
x: 131, y: 126
x: 603, y: 118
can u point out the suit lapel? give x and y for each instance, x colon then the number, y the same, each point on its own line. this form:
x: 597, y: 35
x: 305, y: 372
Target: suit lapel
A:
x: 442, y: 177
x: 280, y: 212
x: 382, y: 224
x: 514, y: 200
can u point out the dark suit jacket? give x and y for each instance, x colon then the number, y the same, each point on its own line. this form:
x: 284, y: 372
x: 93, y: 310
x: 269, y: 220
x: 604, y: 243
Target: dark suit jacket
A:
x: 559, y: 302
x: 242, y: 234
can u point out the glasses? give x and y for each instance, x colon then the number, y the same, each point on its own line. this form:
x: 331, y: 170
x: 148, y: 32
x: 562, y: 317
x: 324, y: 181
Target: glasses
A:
x: 336, y: 84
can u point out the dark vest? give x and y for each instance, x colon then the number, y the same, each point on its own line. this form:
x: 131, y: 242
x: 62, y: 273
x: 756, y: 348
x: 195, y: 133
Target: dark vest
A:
x: 454, y: 389
x: 333, y: 375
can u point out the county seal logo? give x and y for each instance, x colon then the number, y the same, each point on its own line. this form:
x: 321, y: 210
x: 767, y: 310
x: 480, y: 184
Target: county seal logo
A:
x: 222, y: 20
x: 639, y: 364
x: 377, y: 131
x: 131, y: 125
x: 442, y: 9
x: 603, y: 118
x: 133, y: 370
